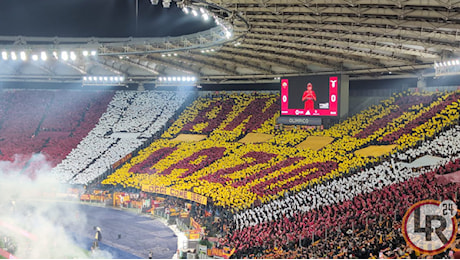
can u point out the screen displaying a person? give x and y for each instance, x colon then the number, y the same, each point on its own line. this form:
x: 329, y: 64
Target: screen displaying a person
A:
x: 309, y: 97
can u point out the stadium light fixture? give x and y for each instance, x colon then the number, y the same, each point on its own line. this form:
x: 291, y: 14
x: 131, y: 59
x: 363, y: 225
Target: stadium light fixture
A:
x: 228, y: 34
x: 23, y: 55
x: 207, y: 50
x: 35, y: 55
x: 73, y: 56
x: 170, y: 79
x: 447, y: 67
x: 103, y: 79
x: 176, y: 81
x: 64, y: 55
x: 43, y: 56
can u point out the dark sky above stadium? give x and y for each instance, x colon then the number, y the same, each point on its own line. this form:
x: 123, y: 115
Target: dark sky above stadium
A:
x: 95, y: 18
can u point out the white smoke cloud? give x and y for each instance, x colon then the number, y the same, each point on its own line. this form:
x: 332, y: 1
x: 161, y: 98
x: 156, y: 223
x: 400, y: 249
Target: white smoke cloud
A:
x: 34, y: 215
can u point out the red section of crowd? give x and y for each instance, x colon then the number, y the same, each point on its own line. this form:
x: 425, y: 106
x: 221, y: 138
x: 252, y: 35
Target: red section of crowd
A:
x: 22, y: 113
x: 364, y: 210
x: 450, y: 167
x: 48, y: 122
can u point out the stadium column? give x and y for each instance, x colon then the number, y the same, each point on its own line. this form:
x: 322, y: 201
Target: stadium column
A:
x: 140, y: 87
x: 344, y: 95
x: 421, y: 83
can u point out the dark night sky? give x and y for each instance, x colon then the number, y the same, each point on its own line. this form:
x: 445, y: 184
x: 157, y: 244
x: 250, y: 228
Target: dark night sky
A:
x: 95, y: 18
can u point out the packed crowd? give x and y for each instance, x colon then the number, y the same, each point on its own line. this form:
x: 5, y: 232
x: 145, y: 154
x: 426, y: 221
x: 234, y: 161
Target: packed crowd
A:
x: 131, y: 118
x: 346, y: 228
x: 398, y: 108
x: 356, y: 218
x: 360, y: 200
x: 421, y: 116
x: 238, y: 176
x: 314, y: 212
x: 444, y: 145
x: 222, y: 116
x: 47, y: 122
x: 350, y: 185
x: 281, y: 198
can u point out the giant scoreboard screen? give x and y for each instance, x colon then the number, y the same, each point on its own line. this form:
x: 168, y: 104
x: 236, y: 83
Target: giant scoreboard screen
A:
x: 310, y: 95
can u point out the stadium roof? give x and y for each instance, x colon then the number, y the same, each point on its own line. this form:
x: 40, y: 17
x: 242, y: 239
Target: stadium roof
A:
x: 271, y: 38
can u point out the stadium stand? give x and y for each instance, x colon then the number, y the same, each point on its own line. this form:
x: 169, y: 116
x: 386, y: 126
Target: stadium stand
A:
x: 384, y: 190
x: 50, y: 122
x: 267, y: 199
x: 281, y: 197
x: 224, y: 152
x: 130, y: 120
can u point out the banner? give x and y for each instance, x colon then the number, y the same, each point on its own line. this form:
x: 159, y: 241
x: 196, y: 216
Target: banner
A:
x: 136, y: 204
x: 224, y: 253
x: 90, y: 197
x: 192, y: 236
x: 183, y: 194
x: 173, y: 212
x: 195, y: 225
x: 85, y: 197
x: 121, y: 161
x: 120, y: 198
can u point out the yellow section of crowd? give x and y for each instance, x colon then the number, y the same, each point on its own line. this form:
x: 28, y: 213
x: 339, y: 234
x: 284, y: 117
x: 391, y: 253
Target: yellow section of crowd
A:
x: 282, y: 146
